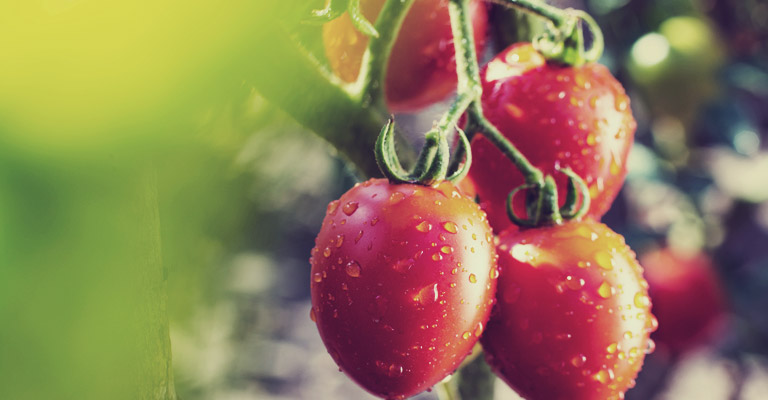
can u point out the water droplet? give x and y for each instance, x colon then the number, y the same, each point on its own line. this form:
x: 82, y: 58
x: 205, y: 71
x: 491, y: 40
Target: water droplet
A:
x: 404, y: 265
x: 593, y: 102
x: 472, y: 278
x: 652, y: 324
x: 642, y: 300
x: 350, y: 208
x: 615, y: 168
x: 604, y: 376
x: 344, y: 286
x: 374, y: 221
x: 395, y: 370
x: 466, y: 335
x: 353, y: 269
x: 494, y: 274
x: 605, y: 290
x: 424, y: 226
x: 317, y: 277
x: 621, y: 103
x: 396, y: 197
x: 426, y: 295
x: 578, y: 360
x: 447, y: 249
x: 650, y: 346
x: 359, y: 236
x: 574, y: 283
x: 332, y: 207
x: 453, y: 285
x: 312, y: 314
x: 479, y: 329
x: 327, y: 252
x: 450, y: 227
x: 437, y: 257
x: 612, y: 348
x: 339, y: 240
x: 591, y: 140
x: 604, y: 260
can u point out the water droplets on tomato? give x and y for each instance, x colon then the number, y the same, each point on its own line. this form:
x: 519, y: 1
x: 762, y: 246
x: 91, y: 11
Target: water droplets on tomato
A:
x: 424, y: 227
x: 450, y: 227
x: 642, y: 300
x: 353, y: 269
x: 317, y: 277
x: 578, y: 360
x: 396, y: 197
x: 604, y: 260
x: 350, y: 207
x: 472, y: 278
x: 427, y: 295
x: 332, y: 207
x: 605, y: 290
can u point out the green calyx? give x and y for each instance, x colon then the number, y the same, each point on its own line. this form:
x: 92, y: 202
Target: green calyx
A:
x: 433, y: 164
x: 563, y: 40
x: 542, y: 201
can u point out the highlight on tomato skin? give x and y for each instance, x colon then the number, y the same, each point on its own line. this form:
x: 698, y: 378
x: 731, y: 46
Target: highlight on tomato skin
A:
x: 422, y: 65
x: 557, y: 116
x: 573, y: 316
x: 688, y: 298
x: 403, y: 281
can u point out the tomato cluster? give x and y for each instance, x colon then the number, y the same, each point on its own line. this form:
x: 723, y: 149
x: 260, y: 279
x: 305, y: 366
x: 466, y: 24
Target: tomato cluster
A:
x: 406, y: 278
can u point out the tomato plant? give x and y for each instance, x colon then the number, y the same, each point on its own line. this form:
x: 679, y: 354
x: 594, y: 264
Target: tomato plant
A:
x: 558, y: 116
x: 687, y: 298
x: 403, y: 277
x: 573, y: 314
x: 422, y: 65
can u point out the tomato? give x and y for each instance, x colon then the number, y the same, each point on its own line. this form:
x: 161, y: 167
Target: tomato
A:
x: 557, y: 116
x: 573, y: 314
x: 403, y: 282
x: 422, y: 65
x: 687, y: 298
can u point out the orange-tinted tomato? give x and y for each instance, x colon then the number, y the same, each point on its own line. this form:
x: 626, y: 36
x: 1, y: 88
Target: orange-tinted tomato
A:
x: 422, y: 65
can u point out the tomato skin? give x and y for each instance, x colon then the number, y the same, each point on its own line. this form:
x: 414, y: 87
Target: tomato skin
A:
x: 422, y: 65
x: 577, y: 117
x: 403, y: 282
x: 687, y: 298
x: 572, y: 317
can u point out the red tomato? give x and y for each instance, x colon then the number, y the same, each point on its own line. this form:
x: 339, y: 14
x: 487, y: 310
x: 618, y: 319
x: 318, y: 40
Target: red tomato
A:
x: 422, y: 65
x: 403, y: 281
x: 687, y: 298
x: 575, y: 117
x: 573, y: 314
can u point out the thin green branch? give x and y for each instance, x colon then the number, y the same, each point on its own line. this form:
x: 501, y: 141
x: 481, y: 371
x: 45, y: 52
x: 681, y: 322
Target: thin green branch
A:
x: 554, y: 14
x: 369, y: 88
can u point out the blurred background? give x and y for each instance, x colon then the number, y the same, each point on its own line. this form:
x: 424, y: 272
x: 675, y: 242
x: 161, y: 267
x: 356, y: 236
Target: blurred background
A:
x: 138, y: 158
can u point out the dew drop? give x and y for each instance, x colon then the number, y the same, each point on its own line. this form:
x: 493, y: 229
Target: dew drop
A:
x: 374, y: 221
x: 650, y: 346
x: 578, y: 360
x: 317, y: 277
x: 312, y: 314
x: 396, y: 197
x: 437, y: 257
x: 359, y: 236
x: 447, y: 249
x: 339, y: 240
x: 604, y: 376
x: 327, y: 252
x: 494, y: 274
x: 466, y: 335
x: 472, y: 278
x: 424, y: 226
x: 350, y: 208
x: 450, y: 227
x: 604, y: 260
x: 642, y: 300
x: 612, y: 348
x: 395, y: 370
x: 574, y: 283
x: 353, y: 269
x: 332, y: 207
x: 426, y: 295
x: 621, y: 103
x: 605, y: 290
x: 479, y: 329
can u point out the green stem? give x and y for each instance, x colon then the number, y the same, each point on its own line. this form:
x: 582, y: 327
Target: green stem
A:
x: 468, y: 72
x: 353, y: 135
x: 370, y: 82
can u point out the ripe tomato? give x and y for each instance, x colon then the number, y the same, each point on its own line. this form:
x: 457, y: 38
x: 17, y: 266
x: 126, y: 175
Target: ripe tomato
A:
x: 422, y: 65
x: 572, y: 317
x: 403, y: 281
x: 687, y: 298
x: 575, y: 117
